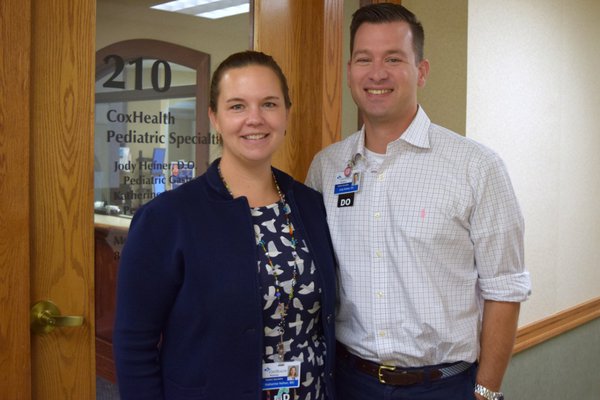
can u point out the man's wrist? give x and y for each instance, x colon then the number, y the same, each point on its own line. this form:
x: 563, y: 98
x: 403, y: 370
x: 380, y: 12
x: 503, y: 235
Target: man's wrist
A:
x: 487, y: 393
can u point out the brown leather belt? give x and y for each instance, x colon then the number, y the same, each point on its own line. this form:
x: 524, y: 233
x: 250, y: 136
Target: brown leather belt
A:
x: 397, y: 376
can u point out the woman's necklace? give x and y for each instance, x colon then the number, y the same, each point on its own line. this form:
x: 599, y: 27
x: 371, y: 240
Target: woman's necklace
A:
x: 282, y: 308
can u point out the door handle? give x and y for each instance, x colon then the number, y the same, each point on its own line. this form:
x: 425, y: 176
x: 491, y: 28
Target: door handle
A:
x: 45, y: 316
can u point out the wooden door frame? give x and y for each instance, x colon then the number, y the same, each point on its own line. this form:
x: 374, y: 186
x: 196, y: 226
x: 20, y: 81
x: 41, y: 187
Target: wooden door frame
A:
x: 15, y: 55
x: 46, y: 195
x: 61, y: 188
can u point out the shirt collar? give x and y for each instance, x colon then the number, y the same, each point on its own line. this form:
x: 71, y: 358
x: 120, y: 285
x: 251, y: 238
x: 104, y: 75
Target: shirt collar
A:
x: 360, y: 144
x: 417, y: 134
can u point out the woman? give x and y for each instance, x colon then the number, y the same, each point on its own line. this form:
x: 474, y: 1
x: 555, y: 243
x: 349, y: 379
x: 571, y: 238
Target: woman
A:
x: 292, y: 373
x: 228, y: 280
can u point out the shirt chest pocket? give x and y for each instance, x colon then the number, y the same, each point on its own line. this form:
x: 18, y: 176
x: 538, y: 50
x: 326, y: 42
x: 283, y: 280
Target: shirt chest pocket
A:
x: 443, y: 216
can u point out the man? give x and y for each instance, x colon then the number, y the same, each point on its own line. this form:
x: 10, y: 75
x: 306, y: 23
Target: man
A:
x: 429, y: 238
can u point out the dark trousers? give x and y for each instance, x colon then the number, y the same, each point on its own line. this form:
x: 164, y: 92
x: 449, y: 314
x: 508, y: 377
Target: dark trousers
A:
x: 352, y: 384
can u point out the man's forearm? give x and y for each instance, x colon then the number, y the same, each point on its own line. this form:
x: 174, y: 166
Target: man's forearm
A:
x: 497, y: 340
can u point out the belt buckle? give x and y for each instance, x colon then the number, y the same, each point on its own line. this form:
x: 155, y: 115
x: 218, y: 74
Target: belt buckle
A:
x: 380, y: 372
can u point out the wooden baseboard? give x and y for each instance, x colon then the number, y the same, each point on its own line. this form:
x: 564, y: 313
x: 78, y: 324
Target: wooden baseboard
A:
x: 554, y: 325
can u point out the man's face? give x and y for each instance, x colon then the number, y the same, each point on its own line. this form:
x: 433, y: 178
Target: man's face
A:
x: 383, y: 74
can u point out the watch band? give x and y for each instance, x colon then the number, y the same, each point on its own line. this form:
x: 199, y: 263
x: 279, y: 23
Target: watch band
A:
x: 487, y: 393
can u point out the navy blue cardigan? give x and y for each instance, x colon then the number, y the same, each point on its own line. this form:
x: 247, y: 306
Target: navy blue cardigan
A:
x: 188, y: 280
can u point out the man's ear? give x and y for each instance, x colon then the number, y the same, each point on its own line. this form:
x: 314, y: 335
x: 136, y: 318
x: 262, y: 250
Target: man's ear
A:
x: 423, y: 72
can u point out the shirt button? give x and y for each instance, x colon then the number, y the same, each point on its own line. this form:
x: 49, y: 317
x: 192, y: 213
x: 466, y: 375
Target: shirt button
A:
x: 381, y: 177
x: 379, y: 294
x: 377, y: 253
x: 377, y: 215
x: 382, y: 333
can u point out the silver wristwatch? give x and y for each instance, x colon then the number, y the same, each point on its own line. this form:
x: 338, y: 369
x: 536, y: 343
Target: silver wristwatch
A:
x: 487, y: 393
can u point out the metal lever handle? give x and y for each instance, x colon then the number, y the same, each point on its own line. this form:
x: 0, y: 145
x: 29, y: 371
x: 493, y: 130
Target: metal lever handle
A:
x: 45, y: 316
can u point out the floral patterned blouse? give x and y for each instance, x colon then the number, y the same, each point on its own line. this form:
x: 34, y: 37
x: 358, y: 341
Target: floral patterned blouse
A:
x: 302, y: 330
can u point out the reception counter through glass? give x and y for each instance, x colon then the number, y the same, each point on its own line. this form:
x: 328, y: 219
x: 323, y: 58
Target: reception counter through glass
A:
x: 110, y: 234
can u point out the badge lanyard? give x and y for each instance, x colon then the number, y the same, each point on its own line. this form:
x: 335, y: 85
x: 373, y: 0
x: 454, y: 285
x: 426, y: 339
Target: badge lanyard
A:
x: 348, y: 182
x: 282, y: 308
x: 282, y: 375
x: 279, y: 375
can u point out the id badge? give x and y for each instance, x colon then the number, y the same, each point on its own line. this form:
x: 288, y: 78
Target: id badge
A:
x: 281, y: 375
x: 347, y: 184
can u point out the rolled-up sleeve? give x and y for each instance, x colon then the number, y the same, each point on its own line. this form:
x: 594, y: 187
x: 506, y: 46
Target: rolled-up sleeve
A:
x: 497, y: 231
x: 513, y: 288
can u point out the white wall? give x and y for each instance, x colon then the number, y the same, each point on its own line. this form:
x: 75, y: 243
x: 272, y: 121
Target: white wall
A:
x: 533, y: 95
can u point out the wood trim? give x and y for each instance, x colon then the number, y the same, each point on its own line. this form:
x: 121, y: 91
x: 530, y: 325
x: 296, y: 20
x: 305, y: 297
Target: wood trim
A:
x: 15, y: 128
x: 331, y: 112
x: 555, y: 325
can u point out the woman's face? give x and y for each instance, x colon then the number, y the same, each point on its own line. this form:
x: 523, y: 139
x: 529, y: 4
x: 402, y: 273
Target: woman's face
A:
x: 251, y: 115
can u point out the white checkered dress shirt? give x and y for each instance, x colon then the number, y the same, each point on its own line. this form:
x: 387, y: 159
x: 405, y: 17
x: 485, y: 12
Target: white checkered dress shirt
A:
x: 435, y: 228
